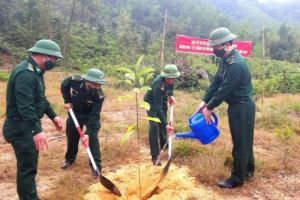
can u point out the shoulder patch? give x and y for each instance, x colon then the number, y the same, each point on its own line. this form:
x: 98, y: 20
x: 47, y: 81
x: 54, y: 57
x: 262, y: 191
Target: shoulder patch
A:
x: 231, y: 60
x: 77, y: 78
x: 30, y: 67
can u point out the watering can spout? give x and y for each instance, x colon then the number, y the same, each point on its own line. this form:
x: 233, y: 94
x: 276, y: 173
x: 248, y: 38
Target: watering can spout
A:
x: 191, y: 135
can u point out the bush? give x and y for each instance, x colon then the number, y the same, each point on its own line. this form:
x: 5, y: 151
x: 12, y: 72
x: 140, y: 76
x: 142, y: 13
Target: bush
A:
x: 190, y: 78
x: 4, y: 76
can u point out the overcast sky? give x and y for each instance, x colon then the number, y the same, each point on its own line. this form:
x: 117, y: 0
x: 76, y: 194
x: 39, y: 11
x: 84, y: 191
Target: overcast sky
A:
x: 263, y: 1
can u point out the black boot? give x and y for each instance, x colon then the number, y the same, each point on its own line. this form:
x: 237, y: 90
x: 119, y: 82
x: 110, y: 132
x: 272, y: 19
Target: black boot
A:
x: 66, y: 164
x: 229, y: 183
x: 156, y: 161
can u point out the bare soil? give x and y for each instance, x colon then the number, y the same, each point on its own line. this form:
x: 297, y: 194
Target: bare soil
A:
x: 121, y: 164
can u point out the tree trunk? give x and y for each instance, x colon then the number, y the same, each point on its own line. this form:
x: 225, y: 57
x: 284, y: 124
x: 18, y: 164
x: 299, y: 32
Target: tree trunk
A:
x: 66, y: 40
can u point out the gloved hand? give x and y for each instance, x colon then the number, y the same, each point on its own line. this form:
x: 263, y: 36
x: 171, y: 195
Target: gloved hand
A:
x: 41, y: 142
x: 171, y: 100
x: 57, y: 122
x: 85, y: 141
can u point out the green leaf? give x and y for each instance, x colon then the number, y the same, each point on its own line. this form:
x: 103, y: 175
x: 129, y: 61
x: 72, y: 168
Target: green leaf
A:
x: 145, y: 71
x: 125, y: 137
x: 148, y: 77
x: 130, y: 76
x: 130, y: 82
x: 131, y: 127
x: 141, y: 80
x: 138, y: 63
x: 124, y: 70
x: 155, y: 119
x: 145, y: 105
x: 145, y: 88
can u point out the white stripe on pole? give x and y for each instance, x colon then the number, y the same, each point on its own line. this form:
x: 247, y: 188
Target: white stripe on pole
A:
x: 91, y: 158
x: 73, y: 117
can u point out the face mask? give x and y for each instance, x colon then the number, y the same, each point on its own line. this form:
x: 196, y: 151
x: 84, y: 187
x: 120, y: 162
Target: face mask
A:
x: 49, y: 65
x: 91, y: 90
x: 220, y: 53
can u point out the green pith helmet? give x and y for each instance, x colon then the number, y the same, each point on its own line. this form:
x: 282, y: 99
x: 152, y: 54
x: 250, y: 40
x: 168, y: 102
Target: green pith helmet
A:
x: 47, y: 47
x: 220, y: 36
x: 170, y: 71
x: 95, y: 75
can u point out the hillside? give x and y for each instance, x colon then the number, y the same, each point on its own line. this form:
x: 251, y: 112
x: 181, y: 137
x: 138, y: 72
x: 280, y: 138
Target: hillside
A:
x: 254, y: 12
x: 92, y: 32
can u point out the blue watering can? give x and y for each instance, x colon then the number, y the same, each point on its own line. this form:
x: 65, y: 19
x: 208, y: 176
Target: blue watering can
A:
x: 205, y: 133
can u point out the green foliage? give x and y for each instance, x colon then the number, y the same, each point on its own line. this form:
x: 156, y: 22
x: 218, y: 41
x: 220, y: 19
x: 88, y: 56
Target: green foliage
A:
x: 4, y: 76
x: 135, y: 77
x: 130, y: 130
x: 186, y: 148
x: 183, y: 148
x: 109, y: 35
x: 284, y: 133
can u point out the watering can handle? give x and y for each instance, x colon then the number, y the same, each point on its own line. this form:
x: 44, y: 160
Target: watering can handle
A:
x: 193, y: 115
x: 215, y: 117
x: 200, y: 111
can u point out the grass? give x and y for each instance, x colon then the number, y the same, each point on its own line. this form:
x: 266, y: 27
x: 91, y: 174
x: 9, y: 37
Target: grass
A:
x: 207, y: 163
x: 212, y: 162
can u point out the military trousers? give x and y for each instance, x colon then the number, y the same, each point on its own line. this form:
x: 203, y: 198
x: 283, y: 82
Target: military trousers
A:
x: 241, y: 122
x: 26, y: 156
x: 157, y: 133
x: 73, y: 140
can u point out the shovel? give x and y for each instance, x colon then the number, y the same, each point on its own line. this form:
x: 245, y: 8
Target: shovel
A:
x: 149, y: 192
x: 104, y: 181
x: 170, y: 137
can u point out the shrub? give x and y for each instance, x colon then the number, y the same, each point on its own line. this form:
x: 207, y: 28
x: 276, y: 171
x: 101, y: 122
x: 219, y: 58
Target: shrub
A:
x: 4, y: 76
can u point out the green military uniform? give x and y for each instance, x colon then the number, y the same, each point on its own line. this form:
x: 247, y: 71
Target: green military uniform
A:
x: 157, y: 97
x: 232, y: 84
x: 26, y: 105
x: 87, y: 106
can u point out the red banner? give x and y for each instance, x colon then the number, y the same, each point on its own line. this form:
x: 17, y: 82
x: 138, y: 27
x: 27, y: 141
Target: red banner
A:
x: 186, y: 44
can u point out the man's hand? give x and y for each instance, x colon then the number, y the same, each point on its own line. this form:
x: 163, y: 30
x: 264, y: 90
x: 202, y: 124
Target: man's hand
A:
x: 85, y: 141
x: 41, y: 142
x: 170, y: 130
x: 207, y: 113
x: 201, y: 106
x: 57, y: 122
x: 67, y: 106
x: 171, y: 100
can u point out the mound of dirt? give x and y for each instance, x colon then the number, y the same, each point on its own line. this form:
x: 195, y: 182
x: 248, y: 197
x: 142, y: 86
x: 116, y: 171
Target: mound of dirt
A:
x: 176, y: 185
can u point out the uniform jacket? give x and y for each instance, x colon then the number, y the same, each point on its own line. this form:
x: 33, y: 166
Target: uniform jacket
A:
x: 232, y: 82
x: 157, y: 97
x: 25, y: 97
x: 87, y: 105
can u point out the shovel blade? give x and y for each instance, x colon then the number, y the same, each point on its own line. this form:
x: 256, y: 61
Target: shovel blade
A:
x: 150, y: 191
x: 109, y: 185
x: 166, y: 169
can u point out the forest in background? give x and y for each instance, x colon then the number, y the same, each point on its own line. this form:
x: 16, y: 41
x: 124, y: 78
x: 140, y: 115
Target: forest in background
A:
x: 114, y: 33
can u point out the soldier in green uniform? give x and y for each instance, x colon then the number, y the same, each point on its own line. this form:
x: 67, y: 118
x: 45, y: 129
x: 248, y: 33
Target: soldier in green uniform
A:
x: 26, y: 104
x: 161, y: 89
x: 232, y: 84
x: 85, y: 96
